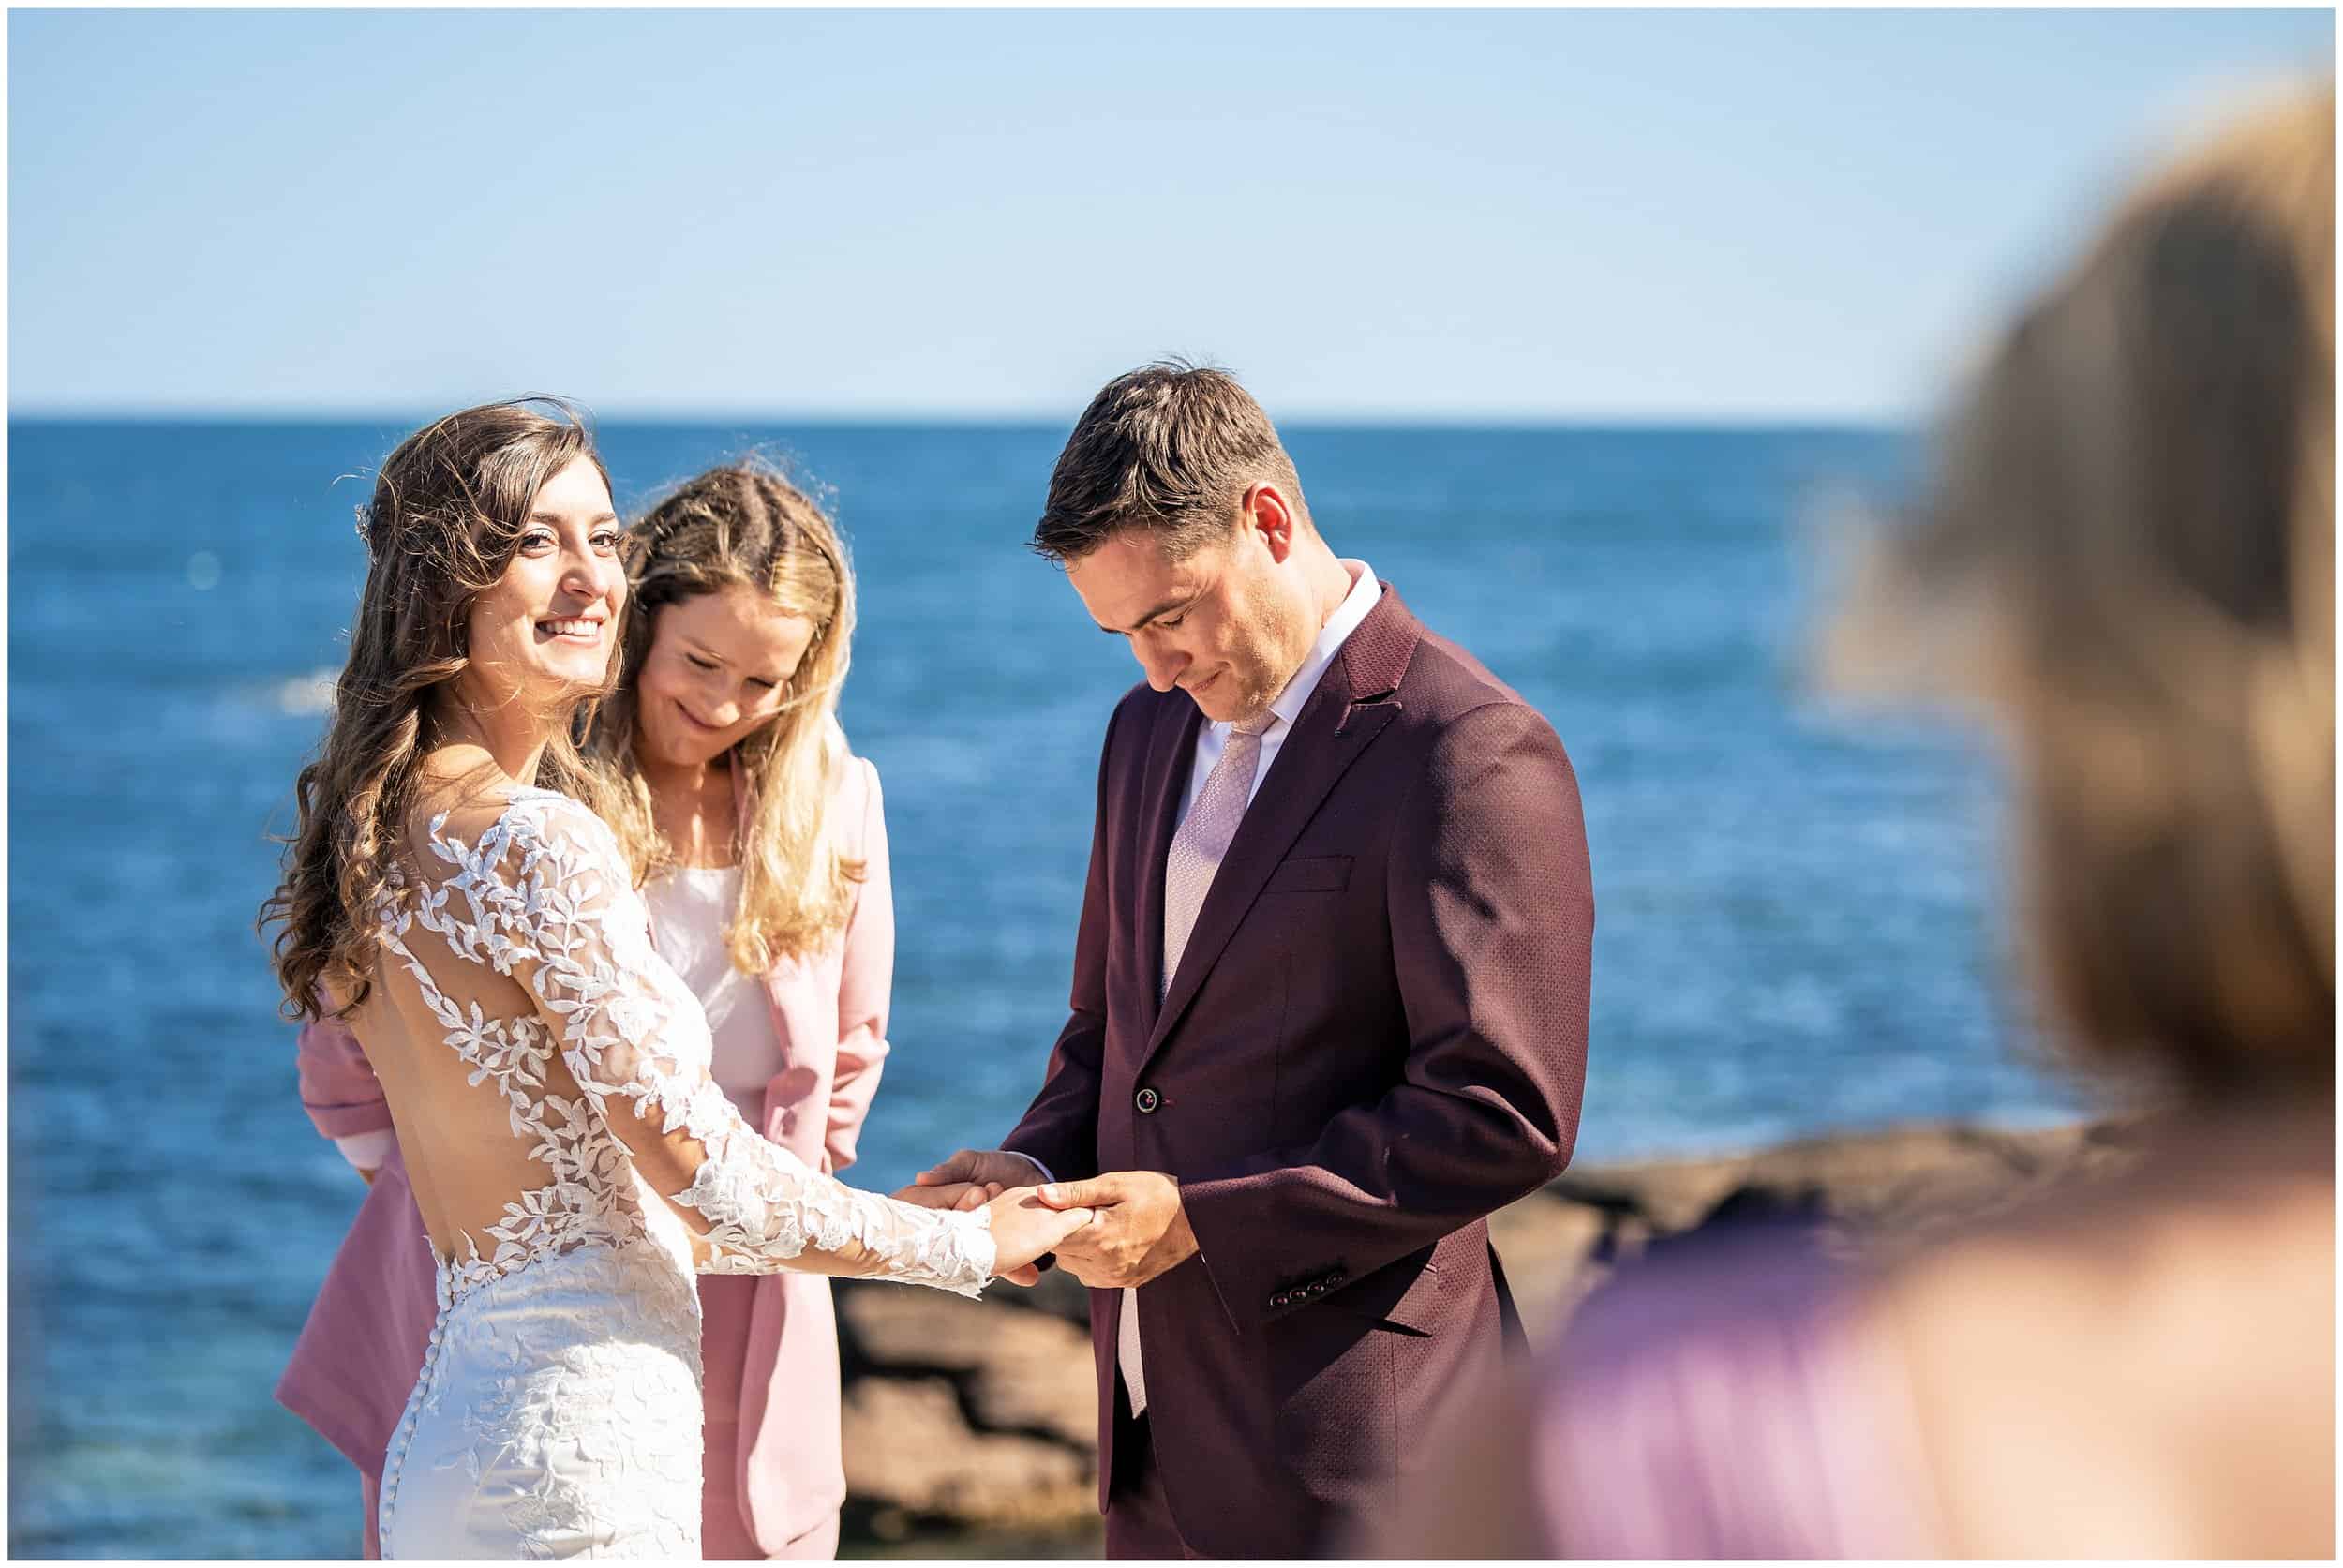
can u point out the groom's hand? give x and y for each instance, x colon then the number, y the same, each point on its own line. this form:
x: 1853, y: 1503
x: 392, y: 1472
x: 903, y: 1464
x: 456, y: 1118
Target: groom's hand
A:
x: 969, y: 1180
x: 992, y: 1168
x: 1140, y: 1229
x: 949, y: 1195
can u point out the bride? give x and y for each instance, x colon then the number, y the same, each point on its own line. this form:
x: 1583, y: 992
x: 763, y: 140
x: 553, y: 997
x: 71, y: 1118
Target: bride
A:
x: 546, y: 1072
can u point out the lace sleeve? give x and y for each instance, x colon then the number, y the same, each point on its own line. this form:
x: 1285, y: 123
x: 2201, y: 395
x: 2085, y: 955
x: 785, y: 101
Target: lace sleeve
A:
x: 551, y: 905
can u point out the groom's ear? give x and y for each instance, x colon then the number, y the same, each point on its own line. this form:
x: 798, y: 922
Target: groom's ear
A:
x: 1267, y: 513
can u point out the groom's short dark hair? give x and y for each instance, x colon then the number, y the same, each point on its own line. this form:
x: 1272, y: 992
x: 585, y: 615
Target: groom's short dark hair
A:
x: 1169, y: 447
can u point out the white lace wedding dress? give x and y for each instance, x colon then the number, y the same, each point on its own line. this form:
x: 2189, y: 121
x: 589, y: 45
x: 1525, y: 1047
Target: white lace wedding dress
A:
x: 589, y: 1166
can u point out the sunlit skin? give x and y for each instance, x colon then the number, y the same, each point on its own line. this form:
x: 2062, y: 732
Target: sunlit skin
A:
x: 718, y: 670
x: 1231, y: 625
x: 544, y: 636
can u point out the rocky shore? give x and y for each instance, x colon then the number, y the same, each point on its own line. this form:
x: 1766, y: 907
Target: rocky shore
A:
x: 970, y: 1425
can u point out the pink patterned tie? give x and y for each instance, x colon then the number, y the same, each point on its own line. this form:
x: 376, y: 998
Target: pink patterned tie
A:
x: 1188, y: 873
x: 1204, y: 838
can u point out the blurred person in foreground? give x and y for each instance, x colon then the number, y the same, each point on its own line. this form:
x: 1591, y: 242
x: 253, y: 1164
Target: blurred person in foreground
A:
x: 2128, y: 567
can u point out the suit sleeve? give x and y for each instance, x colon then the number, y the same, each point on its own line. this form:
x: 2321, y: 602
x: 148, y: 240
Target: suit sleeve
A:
x: 1491, y: 910
x: 1060, y: 1129
x: 866, y: 978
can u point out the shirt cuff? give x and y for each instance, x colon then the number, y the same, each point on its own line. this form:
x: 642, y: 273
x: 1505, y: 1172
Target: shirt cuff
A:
x: 366, y: 1151
x: 1047, y: 1174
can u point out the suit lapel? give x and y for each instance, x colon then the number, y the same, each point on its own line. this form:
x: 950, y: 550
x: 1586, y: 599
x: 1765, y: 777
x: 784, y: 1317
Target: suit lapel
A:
x: 1171, y: 760
x: 1351, y: 706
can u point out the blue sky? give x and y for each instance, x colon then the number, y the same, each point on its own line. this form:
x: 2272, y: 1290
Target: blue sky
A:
x: 1368, y: 215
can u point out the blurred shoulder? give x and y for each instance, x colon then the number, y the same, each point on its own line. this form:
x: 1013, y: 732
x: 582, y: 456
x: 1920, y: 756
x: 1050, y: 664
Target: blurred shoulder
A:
x: 1669, y: 1368
x: 2129, y: 1249
x: 1722, y: 1282
x: 2111, y: 1369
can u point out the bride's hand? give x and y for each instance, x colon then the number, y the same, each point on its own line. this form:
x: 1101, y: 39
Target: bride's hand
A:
x: 1023, y: 1228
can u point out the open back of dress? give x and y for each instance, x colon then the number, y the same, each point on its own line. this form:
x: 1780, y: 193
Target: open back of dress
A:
x: 549, y: 1074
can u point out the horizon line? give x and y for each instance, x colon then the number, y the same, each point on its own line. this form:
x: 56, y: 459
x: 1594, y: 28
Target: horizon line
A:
x: 1494, y: 419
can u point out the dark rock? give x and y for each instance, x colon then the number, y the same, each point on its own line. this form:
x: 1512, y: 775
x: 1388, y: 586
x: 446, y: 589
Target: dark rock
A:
x: 910, y: 1449
x: 981, y: 1417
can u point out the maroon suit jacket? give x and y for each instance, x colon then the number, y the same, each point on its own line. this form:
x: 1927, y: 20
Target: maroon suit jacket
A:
x: 1376, y: 1037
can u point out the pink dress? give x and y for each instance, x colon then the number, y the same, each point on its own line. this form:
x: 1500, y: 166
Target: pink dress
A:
x: 775, y: 1476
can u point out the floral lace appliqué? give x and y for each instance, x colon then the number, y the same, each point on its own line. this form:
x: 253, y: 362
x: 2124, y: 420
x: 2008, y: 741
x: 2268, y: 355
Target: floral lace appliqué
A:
x: 559, y: 1410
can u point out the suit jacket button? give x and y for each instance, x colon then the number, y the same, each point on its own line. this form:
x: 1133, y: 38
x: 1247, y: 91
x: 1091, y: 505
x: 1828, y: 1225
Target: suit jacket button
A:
x: 1146, y: 1100
x: 1280, y: 1299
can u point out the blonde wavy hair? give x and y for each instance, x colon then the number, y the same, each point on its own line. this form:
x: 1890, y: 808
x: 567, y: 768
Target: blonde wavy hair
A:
x: 2129, y: 562
x: 745, y: 525
x: 449, y: 508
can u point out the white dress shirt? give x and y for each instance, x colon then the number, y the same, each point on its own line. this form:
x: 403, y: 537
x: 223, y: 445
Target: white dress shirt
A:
x: 1211, y: 739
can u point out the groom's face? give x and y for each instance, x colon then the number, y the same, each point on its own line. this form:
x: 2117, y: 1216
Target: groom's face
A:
x: 1228, y: 625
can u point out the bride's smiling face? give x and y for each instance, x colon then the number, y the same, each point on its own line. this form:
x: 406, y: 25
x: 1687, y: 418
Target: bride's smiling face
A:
x: 546, y: 630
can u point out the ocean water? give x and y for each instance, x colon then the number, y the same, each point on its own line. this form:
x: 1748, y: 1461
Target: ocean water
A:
x: 1797, y: 909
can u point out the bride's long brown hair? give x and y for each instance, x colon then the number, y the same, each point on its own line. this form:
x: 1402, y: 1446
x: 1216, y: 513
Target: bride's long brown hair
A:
x: 449, y: 508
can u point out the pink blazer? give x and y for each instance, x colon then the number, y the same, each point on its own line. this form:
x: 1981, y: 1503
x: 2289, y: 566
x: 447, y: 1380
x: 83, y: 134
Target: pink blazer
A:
x: 361, y: 1349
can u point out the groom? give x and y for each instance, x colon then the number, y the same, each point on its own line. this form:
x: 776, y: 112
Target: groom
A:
x: 1330, y: 991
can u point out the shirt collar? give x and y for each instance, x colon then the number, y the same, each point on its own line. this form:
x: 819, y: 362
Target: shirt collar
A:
x: 1365, y: 591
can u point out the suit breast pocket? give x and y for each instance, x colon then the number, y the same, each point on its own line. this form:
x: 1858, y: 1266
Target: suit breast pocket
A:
x: 1310, y: 874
